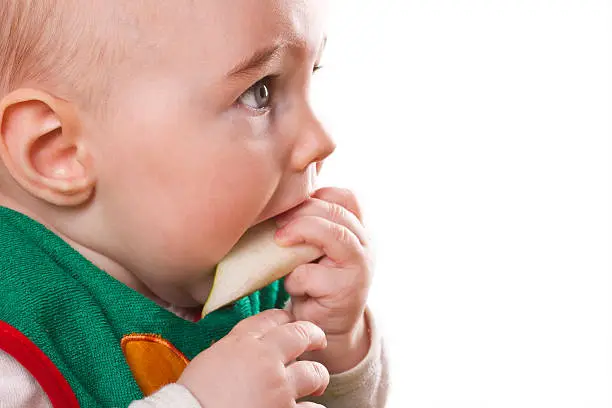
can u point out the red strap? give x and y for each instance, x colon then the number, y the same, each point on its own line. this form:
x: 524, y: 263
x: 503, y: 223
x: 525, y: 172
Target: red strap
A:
x: 39, y: 365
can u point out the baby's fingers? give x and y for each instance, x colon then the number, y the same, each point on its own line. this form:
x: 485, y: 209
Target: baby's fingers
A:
x: 308, y: 378
x: 329, y: 210
x: 341, y: 196
x: 339, y: 243
x: 294, y: 339
x: 263, y: 322
x: 317, y: 281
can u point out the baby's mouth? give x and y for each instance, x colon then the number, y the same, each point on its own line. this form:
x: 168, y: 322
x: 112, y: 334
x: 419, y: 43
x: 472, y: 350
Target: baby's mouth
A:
x: 308, y: 187
x: 312, y: 173
x: 290, y: 208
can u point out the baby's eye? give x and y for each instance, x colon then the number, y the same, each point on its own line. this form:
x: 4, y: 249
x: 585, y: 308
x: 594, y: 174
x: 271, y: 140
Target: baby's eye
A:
x: 258, y: 96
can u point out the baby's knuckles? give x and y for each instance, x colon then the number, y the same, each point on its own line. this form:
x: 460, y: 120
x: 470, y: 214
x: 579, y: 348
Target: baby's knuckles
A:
x: 238, y: 361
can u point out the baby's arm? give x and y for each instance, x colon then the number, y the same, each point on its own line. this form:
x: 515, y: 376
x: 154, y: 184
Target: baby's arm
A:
x: 364, y: 386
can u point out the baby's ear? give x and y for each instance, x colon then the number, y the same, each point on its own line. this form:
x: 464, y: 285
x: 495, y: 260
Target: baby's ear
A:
x: 41, y: 147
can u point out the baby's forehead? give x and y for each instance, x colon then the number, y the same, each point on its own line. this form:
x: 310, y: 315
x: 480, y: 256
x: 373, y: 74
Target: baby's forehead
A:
x: 219, y: 35
x: 93, y: 40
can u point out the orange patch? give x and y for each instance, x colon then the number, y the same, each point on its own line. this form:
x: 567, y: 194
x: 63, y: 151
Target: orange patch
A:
x: 154, y: 361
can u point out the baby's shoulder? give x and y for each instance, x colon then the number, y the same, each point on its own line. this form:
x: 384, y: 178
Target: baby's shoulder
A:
x: 32, y: 271
x: 27, y: 249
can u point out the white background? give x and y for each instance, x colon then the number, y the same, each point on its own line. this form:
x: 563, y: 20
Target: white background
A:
x: 477, y: 136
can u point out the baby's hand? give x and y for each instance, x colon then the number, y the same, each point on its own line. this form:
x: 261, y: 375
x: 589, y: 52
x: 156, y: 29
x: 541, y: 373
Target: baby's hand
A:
x: 254, y: 365
x: 331, y: 293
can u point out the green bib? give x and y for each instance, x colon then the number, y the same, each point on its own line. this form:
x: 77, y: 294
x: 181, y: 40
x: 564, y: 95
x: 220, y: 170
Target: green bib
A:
x: 77, y: 314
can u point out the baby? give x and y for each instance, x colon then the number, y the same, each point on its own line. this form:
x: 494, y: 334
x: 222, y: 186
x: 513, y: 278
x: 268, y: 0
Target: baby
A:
x: 139, y: 140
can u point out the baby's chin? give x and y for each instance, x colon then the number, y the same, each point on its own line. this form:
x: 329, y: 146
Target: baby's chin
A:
x: 190, y: 294
x: 266, y: 216
x: 199, y: 290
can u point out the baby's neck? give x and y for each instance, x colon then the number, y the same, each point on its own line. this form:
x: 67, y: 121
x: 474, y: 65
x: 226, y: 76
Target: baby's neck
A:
x: 106, y: 264
x: 190, y: 313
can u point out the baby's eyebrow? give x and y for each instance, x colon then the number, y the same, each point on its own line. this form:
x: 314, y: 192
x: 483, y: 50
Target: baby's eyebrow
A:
x: 256, y: 61
x: 261, y: 58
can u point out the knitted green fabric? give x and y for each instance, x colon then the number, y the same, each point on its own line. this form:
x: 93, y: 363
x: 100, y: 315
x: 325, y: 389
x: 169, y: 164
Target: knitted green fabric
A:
x: 77, y: 314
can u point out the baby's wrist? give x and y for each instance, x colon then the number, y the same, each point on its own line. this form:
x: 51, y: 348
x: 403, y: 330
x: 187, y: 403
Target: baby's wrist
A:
x: 343, y: 351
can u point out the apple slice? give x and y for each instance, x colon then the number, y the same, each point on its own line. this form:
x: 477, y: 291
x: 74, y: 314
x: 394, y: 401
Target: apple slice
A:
x: 253, y: 263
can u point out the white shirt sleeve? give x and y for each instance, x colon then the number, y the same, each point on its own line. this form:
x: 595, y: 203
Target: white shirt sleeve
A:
x: 172, y: 395
x: 18, y: 389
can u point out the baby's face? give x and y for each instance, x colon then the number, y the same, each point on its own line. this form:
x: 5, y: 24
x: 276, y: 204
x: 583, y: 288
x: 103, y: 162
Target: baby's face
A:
x: 209, y: 132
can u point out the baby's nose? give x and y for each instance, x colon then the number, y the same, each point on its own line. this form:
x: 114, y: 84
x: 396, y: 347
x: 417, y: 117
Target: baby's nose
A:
x: 313, y: 144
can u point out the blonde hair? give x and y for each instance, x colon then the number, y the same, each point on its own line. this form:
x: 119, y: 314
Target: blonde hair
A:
x: 53, y: 44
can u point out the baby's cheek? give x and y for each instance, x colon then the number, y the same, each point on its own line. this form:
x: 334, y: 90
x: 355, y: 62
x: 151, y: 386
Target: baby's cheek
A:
x: 196, y: 235
x: 191, y: 239
x: 199, y: 220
